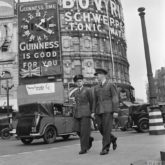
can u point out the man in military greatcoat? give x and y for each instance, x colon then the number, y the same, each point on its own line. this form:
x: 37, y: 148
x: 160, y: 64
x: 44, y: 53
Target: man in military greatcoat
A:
x: 104, y: 107
x: 82, y: 115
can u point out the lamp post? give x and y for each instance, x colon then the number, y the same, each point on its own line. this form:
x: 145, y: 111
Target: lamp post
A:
x: 156, y: 126
x: 152, y: 92
x: 7, y: 88
x: 5, y: 76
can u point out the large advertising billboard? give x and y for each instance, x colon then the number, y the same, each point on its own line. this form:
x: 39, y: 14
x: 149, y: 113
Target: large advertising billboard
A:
x: 93, y: 16
x: 39, y: 42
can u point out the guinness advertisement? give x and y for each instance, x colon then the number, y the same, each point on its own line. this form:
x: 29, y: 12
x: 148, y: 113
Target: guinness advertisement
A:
x: 39, y: 42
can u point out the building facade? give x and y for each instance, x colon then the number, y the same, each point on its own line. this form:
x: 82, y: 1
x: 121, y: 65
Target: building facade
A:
x: 8, y: 53
x: 159, y: 80
x: 91, y: 34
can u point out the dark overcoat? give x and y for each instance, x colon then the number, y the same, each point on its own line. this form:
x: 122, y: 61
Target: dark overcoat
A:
x: 106, y: 98
x: 83, y: 109
x: 106, y: 102
x: 83, y: 99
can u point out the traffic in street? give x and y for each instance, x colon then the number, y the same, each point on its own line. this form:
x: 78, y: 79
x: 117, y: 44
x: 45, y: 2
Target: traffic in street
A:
x: 14, y: 146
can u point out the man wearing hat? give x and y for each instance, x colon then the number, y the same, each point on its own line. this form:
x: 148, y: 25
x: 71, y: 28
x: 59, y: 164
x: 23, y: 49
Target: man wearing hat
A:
x: 104, y: 107
x: 82, y: 115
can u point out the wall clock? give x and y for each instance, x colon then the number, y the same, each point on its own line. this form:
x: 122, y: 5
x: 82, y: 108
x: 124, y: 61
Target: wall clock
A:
x: 38, y: 25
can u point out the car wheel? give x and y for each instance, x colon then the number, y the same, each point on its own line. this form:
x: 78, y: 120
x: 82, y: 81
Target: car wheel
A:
x: 5, y: 133
x: 26, y: 140
x: 123, y: 129
x: 49, y: 135
x: 143, y: 125
x: 65, y: 137
x: 136, y: 129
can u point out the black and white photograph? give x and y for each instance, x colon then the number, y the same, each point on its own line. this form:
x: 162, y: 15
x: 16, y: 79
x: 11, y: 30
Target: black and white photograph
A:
x: 82, y: 82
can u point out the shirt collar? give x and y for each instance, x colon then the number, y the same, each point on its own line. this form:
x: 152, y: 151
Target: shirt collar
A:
x: 103, y: 82
x: 80, y: 88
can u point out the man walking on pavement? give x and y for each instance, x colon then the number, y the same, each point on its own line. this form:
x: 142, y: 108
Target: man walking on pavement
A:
x: 82, y: 115
x: 105, y: 106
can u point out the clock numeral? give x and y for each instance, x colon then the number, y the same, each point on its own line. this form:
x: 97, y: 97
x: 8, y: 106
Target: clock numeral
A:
x: 38, y: 13
x: 52, y: 25
x: 26, y: 33
x: 24, y: 19
x: 25, y: 27
x: 30, y: 16
x: 32, y: 37
x: 45, y: 13
x: 39, y: 38
x: 45, y: 37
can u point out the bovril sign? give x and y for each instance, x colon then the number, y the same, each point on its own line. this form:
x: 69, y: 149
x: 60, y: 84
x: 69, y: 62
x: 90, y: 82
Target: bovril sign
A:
x: 93, y: 15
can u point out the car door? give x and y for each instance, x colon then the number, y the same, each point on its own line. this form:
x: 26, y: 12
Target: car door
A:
x: 69, y: 120
x: 59, y: 120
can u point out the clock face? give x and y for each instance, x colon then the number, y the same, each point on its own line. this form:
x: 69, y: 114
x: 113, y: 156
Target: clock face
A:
x: 38, y: 26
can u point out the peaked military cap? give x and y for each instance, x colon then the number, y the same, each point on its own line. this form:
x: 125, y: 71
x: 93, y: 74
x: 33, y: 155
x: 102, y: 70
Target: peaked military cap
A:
x: 100, y: 71
x: 78, y: 77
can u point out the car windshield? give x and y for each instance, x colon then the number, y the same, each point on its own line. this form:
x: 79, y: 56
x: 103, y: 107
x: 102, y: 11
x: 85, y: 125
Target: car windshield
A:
x: 30, y: 109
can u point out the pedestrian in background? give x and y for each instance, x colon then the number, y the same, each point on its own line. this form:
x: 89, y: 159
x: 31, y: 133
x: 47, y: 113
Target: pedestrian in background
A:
x: 105, y: 106
x: 82, y: 115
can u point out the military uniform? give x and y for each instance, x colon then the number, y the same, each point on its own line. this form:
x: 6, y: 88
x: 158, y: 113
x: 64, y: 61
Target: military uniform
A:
x: 83, y: 108
x: 105, y: 104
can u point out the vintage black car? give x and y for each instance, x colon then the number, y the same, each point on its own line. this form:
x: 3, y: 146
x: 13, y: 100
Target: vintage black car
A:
x: 134, y: 116
x: 45, y: 120
x: 139, y: 117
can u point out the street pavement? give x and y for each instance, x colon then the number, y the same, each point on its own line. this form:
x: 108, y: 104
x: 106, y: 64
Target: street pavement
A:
x: 136, y: 149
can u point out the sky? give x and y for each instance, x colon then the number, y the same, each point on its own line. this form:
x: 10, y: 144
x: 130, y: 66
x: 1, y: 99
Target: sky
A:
x: 155, y: 25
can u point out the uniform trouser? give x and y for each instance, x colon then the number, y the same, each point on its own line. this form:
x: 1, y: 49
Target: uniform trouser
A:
x: 104, y: 122
x: 84, y: 129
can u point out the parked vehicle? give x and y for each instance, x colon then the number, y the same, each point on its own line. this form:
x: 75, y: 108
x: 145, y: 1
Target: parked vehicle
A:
x: 133, y: 116
x: 45, y: 120
x: 5, y: 121
x: 10, y: 129
x: 139, y: 115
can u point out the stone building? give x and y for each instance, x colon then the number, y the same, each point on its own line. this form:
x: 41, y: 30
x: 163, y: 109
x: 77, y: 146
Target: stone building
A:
x: 8, y: 52
x: 160, y: 84
x: 92, y: 35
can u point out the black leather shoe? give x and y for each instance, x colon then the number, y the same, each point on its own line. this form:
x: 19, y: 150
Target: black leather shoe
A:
x: 104, y: 152
x: 82, y: 152
x: 114, y: 143
x: 91, y: 139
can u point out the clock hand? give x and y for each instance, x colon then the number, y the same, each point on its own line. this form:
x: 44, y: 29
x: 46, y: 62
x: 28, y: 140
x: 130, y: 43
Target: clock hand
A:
x: 49, y: 31
x: 42, y: 21
x: 48, y: 19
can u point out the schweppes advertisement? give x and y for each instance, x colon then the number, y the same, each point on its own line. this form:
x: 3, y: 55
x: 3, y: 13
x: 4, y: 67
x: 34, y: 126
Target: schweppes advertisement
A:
x: 39, y: 41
